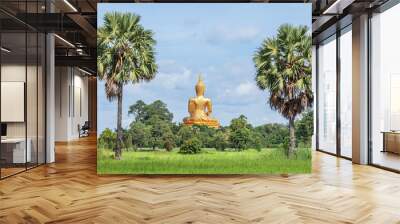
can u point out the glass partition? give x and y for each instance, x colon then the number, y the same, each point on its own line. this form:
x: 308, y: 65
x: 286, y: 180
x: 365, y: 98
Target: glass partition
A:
x: 22, y: 101
x: 327, y: 95
x: 41, y: 96
x: 346, y: 92
x: 385, y: 89
x: 31, y: 97
x: 14, y: 155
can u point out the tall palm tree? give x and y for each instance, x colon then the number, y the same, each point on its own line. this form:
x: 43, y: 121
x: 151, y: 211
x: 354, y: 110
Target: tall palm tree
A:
x: 125, y: 55
x: 283, y: 67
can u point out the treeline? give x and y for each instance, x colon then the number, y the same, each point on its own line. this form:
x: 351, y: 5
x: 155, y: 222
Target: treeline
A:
x: 152, y: 128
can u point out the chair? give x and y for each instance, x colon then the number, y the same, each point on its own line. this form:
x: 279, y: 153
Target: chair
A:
x: 84, y: 130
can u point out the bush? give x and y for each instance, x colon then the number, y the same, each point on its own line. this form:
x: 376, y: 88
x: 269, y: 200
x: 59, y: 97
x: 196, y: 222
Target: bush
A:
x: 240, y: 139
x: 221, y: 141
x: 168, y: 145
x: 285, y: 145
x: 107, y: 139
x: 168, y: 141
x: 191, y: 146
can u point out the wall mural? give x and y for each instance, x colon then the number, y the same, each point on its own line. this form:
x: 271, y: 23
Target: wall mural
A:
x: 204, y: 88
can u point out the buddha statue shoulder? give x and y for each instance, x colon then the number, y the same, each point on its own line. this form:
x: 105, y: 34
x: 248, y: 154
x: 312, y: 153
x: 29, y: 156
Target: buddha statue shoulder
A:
x: 200, y: 108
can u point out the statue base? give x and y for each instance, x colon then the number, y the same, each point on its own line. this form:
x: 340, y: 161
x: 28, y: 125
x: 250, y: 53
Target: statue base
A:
x: 209, y: 123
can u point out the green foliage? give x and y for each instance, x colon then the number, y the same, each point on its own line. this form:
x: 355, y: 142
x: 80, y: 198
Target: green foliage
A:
x: 127, y: 138
x: 304, y: 128
x: 140, y: 133
x: 168, y: 139
x: 191, y: 146
x: 240, y: 139
x: 285, y: 145
x: 283, y: 68
x: 185, y: 133
x: 240, y: 133
x: 272, y: 135
x: 239, y: 123
x: 205, y: 135
x: 148, y: 113
x: 107, y: 139
x: 159, y: 128
x: 221, y: 140
x: 150, y: 131
x: 118, y: 59
x: 256, y: 140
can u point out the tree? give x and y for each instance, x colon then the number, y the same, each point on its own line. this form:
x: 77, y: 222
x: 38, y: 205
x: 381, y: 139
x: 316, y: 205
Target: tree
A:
x: 126, y: 54
x: 283, y: 67
x: 256, y: 140
x: 185, y: 133
x: 240, y: 139
x: 205, y: 135
x: 168, y: 139
x: 144, y: 112
x: 107, y: 138
x: 138, y: 110
x: 159, y: 129
x: 221, y: 140
x: 140, y: 134
x: 304, y: 128
x: 273, y: 135
x: 240, y: 133
x: 191, y: 146
x: 127, y: 138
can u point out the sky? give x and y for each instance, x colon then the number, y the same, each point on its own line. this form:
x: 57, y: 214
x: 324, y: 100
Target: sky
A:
x: 216, y: 40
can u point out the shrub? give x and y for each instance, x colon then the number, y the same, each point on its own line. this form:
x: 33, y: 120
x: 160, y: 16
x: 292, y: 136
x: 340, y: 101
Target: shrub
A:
x: 285, y: 145
x: 168, y: 145
x: 221, y: 141
x: 240, y: 139
x: 191, y: 146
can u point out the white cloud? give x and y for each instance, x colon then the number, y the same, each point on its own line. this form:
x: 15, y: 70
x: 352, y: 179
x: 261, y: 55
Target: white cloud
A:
x: 174, y: 80
x: 243, y: 89
x: 232, y: 33
x: 246, y: 88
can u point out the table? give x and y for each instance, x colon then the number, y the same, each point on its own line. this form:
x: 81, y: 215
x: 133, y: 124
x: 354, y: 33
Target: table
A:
x: 391, y: 141
x: 13, y: 150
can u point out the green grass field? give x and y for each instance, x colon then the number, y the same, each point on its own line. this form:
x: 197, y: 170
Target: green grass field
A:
x: 209, y: 161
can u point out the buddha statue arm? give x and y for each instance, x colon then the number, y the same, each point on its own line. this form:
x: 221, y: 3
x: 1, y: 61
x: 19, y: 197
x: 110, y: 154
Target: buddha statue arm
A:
x: 191, y: 107
x: 209, y: 108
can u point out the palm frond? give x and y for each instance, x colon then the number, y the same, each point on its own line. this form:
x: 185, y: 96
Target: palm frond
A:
x: 125, y: 52
x: 283, y: 67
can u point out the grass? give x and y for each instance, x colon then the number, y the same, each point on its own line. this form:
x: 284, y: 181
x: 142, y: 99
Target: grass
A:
x: 209, y: 161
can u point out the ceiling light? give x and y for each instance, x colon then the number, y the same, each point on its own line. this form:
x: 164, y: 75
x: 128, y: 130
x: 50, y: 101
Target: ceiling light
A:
x: 64, y: 40
x: 70, y: 5
x: 5, y: 50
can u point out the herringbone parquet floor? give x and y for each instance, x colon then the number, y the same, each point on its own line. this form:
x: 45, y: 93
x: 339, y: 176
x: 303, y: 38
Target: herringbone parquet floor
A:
x: 69, y: 191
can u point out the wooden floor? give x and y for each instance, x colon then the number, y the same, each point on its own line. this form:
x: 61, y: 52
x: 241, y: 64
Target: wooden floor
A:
x: 69, y: 191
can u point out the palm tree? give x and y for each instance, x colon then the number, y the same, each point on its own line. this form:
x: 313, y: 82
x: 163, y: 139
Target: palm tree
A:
x: 125, y: 55
x: 283, y: 67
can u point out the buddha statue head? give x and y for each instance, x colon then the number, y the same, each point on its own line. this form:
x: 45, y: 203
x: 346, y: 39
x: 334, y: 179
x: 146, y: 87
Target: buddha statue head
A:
x: 200, y: 87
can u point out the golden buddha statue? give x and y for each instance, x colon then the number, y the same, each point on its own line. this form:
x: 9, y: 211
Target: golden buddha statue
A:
x: 200, y: 108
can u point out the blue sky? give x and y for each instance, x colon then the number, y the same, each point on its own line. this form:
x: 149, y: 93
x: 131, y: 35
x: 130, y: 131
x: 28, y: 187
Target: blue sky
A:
x: 217, y: 40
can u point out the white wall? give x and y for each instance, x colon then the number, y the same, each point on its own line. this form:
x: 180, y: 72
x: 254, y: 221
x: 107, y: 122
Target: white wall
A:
x: 71, y: 87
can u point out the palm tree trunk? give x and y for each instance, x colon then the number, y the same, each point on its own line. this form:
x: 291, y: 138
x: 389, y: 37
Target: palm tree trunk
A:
x: 292, y: 136
x: 118, y: 149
